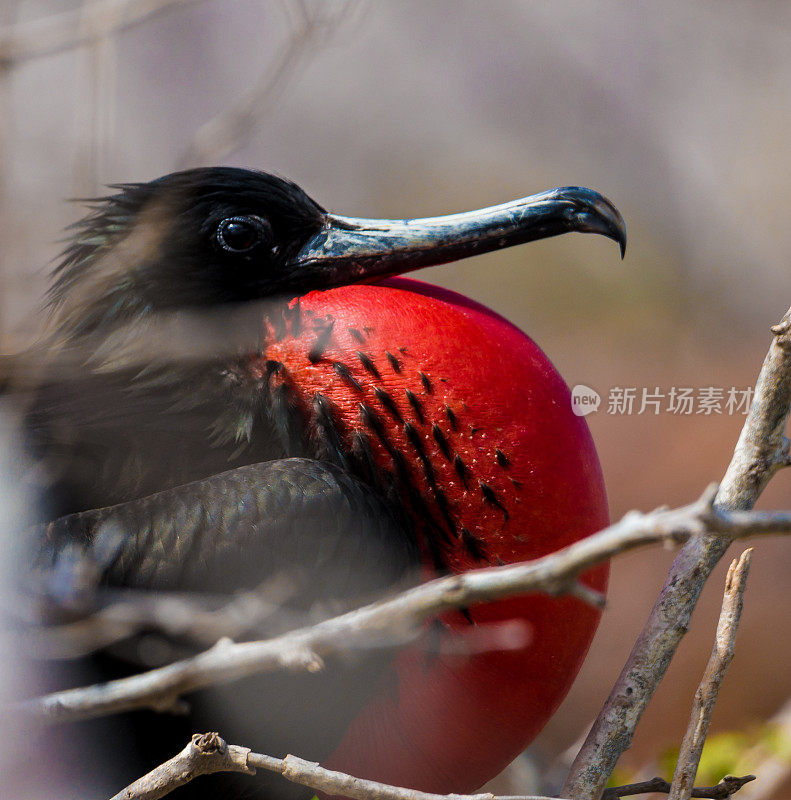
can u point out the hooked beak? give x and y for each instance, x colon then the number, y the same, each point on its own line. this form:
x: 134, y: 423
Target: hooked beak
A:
x: 351, y: 250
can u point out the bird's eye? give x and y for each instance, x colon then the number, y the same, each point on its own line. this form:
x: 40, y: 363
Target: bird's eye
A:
x: 242, y: 234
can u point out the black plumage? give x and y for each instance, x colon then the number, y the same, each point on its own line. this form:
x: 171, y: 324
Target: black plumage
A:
x: 178, y: 465
x: 149, y: 428
x: 301, y: 521
x: 283, y: 514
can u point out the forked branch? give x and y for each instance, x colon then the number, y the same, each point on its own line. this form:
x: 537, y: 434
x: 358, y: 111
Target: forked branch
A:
x: 762, y: 449
x: 709, y: 689
x: 208, y: 753
x: 399, y: 620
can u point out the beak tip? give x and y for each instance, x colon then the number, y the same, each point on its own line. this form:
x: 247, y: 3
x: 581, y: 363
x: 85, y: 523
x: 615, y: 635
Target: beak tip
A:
x: 591, y: 212
x: 621, y: 239
x: 618, y: 230
x: 613, y: 224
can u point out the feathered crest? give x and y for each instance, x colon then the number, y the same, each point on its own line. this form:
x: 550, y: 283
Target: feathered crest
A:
x: 99, y: 230
x: 105, y: 275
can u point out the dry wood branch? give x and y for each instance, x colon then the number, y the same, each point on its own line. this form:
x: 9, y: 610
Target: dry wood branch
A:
x: 725, y: 789
x: 198, y: 619
x: 59, y: 32
x: 400, y: 619
x: 208, y: 753
x: 224, y: 133
x: 762, y: 449
x: 706, y: 695
x: 205, y: 754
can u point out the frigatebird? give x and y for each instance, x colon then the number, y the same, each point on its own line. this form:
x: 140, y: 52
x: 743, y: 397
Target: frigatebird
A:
x: 236, y: 386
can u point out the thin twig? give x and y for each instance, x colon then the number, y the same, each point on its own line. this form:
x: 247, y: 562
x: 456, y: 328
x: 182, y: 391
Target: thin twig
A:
x: 709, y: 689
x: 205, y: 754
x: 727, y: 787
x: 228, y: 130
x: 208, y: 753
x: 399, y: 619
x: 762, y: 449
x: 94, y: 123
x: 198, y: 619
x: 58, y: 32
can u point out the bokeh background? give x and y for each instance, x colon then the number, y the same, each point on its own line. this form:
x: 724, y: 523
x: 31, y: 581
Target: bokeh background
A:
x: 678, y: 111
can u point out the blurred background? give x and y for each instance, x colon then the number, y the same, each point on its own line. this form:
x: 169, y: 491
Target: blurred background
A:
x: 679, y: 112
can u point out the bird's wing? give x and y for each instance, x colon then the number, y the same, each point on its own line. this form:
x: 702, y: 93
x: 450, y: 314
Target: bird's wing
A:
x: 294, y: 517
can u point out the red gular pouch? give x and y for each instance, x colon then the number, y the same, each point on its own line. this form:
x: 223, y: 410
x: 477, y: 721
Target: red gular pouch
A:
x: 466, y: 419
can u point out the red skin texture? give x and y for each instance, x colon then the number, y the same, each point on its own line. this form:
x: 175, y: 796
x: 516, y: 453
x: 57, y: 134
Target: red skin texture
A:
x: 448, y: 722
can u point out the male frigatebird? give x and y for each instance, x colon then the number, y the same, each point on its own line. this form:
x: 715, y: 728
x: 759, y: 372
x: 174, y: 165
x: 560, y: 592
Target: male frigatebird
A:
x: 347, y: 429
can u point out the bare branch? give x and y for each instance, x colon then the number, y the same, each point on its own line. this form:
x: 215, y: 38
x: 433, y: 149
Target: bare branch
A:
x: 399, y: 619
x: 198, y: 619
x: 208, y: 753
x: 329, y: 782
x: 706, y: 695
x: 727, y: 787
x: 224, y: 133
x: 59, y: 32
x: 762, y: 449
x: 205, y: 754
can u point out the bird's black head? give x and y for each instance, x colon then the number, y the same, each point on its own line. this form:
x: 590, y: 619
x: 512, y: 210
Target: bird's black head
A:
x: 207, y: 237
x: 197, y: 238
